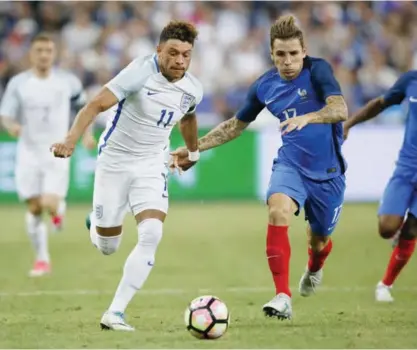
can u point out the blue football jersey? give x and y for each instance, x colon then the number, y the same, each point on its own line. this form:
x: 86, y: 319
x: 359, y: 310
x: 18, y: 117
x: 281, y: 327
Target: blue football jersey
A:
x: 315, y: 150
x: 406, y: 89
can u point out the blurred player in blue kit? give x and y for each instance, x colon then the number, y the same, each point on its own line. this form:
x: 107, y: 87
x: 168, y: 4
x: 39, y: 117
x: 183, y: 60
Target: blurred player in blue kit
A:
x: 308, y: 172
x: 399, y: 200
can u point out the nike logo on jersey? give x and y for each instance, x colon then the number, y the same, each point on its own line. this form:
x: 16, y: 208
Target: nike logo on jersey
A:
x: 150, y: 263
x: 413, y: 99
x: 152, y: 93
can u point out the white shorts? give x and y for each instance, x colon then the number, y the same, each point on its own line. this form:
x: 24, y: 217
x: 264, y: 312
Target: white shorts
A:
x: 124, y: 183
x: 40, y: 174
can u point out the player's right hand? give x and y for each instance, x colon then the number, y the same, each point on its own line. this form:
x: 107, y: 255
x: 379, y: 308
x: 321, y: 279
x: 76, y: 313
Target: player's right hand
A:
x: 14, y: 130
x: 62, y: 150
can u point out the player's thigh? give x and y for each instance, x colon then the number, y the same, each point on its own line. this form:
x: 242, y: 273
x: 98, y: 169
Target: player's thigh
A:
x: 148, y: 194
x: 28, y: 178
x: 324, y: 204
x: 110, y: 197
x: 285, y: 181
x: 397, y: 196
x: 55, y: 180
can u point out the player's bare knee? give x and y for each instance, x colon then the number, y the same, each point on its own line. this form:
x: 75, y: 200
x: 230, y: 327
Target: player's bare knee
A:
x: 409, y: 229
x: 389, y: 225
x: 34, y: 206
x: 279, y: 215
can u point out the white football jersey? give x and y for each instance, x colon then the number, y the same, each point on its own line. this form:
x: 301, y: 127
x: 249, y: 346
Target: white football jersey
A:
x: 41, y: 105
x: 149, y: 106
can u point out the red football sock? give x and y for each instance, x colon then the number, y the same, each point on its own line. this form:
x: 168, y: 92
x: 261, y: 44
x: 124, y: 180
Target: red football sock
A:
x: 399, y: 258
x: 278, y: 252
x: 316, y: 260
x: 57, y: 219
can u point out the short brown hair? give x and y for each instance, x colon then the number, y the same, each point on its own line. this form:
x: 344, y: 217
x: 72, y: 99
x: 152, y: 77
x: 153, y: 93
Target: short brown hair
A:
x: 285, y: 28
x: 180, y: 30
x: 42, y: 37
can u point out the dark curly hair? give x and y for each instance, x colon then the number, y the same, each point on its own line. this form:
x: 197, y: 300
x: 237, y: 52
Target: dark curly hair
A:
x: 180, y: 30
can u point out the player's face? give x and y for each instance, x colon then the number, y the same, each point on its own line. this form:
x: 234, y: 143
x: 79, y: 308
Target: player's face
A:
x: 174, y: 57
x: 42, y: 54
x: 288, y: 56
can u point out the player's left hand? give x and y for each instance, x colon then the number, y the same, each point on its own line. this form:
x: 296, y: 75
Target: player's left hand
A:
x: 291, y: 124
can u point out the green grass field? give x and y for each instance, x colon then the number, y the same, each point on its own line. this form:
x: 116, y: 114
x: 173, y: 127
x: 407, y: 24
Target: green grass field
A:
x: 215, y: 248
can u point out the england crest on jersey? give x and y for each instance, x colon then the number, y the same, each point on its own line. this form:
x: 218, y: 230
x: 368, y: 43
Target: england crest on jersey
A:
x: 186, y: 102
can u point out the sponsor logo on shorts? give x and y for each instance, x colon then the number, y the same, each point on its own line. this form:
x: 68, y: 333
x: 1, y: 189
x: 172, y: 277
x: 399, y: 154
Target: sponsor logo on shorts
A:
x: 99, y: 211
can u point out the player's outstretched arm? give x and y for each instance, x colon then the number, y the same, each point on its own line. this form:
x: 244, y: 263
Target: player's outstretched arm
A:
x: 102, y: 102
x: 224, y: 132
x: 335, y: 111
x: 369, y: 111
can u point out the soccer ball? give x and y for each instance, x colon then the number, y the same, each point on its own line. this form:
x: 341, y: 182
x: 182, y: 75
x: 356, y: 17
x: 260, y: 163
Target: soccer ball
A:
x: 207, y: 317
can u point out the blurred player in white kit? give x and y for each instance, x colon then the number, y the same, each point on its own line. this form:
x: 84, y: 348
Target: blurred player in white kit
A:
x: 150, y: 96
x: 36, y: 109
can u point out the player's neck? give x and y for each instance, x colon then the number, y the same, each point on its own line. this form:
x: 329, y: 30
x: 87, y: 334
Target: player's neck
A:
x: 42, y: 73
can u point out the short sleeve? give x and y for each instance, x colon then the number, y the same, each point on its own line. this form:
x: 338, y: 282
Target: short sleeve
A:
x: 198, y: 98
x: 10, y: 102
x: 252, y: 106
x: 398, y: 91
x: 131, y: 78
x: 323, y: 79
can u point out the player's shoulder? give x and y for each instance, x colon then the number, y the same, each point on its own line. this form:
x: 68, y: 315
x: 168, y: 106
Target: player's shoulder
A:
x: 65, y: 74
x: 262, y: 83
x: 20, y: 78
x: 409, y: 75
x: 314, y: 63
x: 195, y: 84
x: 147, y: 63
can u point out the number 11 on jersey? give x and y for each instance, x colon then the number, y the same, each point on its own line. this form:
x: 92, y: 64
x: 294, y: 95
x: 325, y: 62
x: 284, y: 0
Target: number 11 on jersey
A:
x: 168, y: 119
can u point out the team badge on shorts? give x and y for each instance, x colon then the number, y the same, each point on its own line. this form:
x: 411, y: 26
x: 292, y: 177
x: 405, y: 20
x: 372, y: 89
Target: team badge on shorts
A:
x: 186, y: 102
x: 99, y: 211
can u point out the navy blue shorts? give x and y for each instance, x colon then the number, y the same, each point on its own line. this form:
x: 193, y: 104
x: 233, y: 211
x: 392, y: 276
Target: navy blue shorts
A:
x: 322, y: 200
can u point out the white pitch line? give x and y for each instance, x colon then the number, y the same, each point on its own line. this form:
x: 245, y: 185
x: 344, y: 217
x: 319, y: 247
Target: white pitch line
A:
x: 237, y: 290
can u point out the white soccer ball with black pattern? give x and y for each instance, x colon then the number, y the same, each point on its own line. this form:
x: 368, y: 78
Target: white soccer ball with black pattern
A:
x: 207, y: 317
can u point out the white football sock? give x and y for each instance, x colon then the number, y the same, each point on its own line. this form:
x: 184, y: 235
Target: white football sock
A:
x: 93, y: 232
x: 138, y: 264
x: 43, y: 253
x: 38, y: 234
x: 62, y: 207
x: 108, y: 245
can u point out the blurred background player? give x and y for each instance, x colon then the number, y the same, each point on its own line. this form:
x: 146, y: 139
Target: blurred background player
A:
x: 152, y: 94
x: 35, y: 108
x: 308, y: 172
x: 399, y: 200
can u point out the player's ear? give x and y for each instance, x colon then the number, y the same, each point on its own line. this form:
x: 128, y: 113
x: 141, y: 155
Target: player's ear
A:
x: 304, y: 52
x: 159, y: 48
